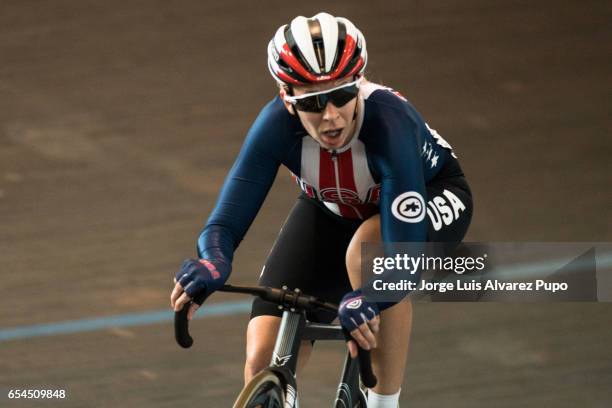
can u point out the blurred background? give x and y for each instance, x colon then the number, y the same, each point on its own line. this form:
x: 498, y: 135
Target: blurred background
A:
x: 120, y: 119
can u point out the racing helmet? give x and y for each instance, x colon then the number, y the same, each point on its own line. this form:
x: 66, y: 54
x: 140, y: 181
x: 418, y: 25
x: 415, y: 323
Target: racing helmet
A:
x: 317, y: 49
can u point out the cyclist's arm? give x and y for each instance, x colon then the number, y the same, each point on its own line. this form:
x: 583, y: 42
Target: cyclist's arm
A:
x: 403, y: 194
x: 243, y: 192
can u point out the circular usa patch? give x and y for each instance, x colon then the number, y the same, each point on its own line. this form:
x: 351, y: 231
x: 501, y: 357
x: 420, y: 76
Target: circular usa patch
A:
x: 409, y: 207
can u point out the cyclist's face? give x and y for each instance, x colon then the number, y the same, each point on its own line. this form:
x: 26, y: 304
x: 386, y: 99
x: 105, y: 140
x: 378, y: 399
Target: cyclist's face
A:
x: 332, y: 128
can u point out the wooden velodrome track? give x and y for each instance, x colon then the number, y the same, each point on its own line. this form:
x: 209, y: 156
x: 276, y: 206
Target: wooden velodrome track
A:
x: 119, y: 120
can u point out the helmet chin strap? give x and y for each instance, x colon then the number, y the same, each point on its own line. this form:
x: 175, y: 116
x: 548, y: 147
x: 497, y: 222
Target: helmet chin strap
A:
x: 354, y: 122
x: 358, y: 93
x: 356, y: 111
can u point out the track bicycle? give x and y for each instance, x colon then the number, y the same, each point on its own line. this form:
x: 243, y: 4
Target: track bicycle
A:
x: 275, y: 386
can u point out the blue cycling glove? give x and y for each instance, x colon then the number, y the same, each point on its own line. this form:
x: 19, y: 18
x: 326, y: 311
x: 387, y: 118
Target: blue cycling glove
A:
x: 199, y: 279
x: 355, y: 310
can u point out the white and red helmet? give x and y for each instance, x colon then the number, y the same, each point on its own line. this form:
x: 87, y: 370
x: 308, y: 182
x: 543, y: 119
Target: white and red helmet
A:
x: 318, y: 49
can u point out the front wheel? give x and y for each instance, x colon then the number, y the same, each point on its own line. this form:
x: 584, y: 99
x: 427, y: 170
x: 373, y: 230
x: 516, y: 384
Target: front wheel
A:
x: 265, y: 390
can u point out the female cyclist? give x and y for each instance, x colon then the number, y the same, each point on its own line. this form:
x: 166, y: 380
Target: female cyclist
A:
x: 370, y: 170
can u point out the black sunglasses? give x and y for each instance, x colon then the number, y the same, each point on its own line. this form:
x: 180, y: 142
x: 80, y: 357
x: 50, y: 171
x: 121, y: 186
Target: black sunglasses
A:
x: 317, y: 101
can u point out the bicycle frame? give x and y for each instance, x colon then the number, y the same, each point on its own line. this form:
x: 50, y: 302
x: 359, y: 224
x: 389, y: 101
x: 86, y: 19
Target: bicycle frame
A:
x: 293, y: 329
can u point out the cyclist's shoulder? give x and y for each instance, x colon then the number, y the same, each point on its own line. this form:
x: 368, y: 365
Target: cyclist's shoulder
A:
x: 389, y: 116
x: 273, y: 111
x: 274, y: 123
x: 384, y: 107
x: 384, y: 99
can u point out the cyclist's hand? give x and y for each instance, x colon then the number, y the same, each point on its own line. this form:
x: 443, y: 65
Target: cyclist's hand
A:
x: 361, y: 319
x: 196, y: 280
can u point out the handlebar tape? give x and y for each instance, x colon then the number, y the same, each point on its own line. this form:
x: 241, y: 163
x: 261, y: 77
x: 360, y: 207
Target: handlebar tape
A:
x: 181, y: 328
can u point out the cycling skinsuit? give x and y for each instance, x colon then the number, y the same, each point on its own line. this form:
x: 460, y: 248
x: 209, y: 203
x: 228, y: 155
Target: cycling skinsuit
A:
x: 395, y: 165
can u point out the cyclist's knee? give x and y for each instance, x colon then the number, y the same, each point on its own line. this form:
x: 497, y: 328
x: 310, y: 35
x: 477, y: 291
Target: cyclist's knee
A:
x: 252, y: 366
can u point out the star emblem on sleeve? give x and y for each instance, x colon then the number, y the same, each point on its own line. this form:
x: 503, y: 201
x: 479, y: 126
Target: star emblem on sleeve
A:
x: 434, y: 161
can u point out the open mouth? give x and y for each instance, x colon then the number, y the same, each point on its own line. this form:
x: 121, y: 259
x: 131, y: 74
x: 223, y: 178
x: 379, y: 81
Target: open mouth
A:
x: 332, y: 133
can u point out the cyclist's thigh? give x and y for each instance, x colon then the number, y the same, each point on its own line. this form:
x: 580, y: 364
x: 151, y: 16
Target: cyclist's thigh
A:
x: 308, y: 254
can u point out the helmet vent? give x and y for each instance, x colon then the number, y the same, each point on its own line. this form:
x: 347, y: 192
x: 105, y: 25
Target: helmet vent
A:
x: 317, y: 42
